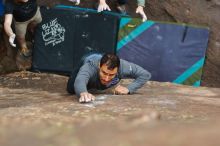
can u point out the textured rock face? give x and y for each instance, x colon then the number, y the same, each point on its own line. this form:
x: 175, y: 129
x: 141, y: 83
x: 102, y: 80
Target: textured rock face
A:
x: 36, y: 110
x: 200, y: 12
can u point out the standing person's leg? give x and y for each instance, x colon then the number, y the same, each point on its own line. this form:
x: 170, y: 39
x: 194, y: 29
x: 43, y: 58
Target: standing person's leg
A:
x: 122, y: 2
x: 121, y: 6
x: 21, y: 28
x: 35, y: 21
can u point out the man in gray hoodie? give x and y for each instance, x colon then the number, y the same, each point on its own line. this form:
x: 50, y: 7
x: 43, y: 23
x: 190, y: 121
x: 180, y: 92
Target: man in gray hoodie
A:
x: 103, y: 72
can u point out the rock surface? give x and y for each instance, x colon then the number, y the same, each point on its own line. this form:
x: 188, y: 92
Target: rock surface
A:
x: 202, y: 13
x: 36, y: 110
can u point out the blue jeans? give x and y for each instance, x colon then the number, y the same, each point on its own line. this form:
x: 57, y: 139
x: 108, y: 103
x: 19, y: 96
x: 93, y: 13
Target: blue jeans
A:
x: 122, y: 2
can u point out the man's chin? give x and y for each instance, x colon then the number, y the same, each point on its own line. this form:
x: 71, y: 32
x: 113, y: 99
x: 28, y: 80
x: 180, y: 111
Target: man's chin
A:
x: 104, y: 83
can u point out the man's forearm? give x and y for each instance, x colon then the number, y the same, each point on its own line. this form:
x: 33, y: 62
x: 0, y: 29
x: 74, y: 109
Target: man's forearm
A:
x: 79, y: 87
x: 141, y: 76
x: 139, y: 82
x: 8, y: 30
x: 7, y: 24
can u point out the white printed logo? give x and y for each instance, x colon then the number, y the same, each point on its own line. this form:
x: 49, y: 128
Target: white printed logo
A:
x: 53, y: 32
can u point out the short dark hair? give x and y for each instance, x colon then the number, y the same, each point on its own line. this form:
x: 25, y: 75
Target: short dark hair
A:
x: 111, y: 60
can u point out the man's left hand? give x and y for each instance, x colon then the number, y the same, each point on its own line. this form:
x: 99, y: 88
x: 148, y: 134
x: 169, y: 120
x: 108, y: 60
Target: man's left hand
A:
x: 121, y: 90
x: 140, y: 10
x: 86, y: 97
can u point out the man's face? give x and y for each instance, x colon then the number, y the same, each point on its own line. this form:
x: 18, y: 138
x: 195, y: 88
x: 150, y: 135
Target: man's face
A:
x: 107, y: 75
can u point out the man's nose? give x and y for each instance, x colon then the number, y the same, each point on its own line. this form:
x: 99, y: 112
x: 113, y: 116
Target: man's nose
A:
x: 107, y: 78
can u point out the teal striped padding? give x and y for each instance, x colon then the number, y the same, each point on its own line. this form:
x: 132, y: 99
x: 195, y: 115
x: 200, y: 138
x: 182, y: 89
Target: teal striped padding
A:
x: 124, y: 21
x: 189, y: 72
x: 136, y: 32
x: 76, y: 8
x: 89, y: 10
x: 197, y: 84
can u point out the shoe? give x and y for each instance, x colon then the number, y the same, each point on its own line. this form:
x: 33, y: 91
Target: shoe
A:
x: 26, y: 52
x: 23, y: 62
x: 121, y: 9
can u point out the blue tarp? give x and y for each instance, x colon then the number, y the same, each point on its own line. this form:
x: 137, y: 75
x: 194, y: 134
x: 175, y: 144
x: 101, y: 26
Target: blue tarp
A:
x: 171, y: 52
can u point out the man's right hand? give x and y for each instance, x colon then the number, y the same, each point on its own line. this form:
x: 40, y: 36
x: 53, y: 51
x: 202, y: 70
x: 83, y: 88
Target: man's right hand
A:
x: 86, y: 97
x: 12, y: 39
x: 120, y: 90
x: 103, y: 6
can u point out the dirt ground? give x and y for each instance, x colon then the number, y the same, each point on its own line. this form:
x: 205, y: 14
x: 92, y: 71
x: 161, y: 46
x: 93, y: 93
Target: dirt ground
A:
x: 36, y: 110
